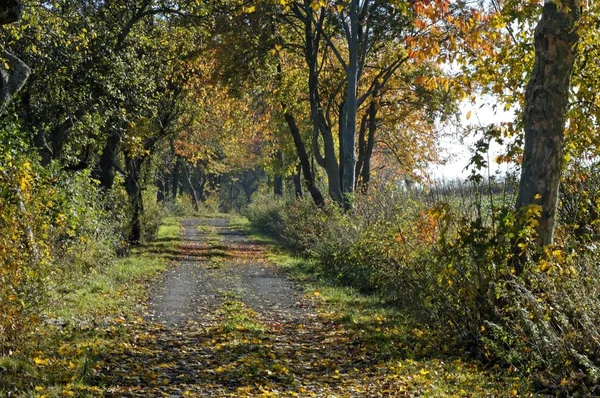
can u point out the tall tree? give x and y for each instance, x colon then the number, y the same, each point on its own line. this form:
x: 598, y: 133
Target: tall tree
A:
x: 546, y: 101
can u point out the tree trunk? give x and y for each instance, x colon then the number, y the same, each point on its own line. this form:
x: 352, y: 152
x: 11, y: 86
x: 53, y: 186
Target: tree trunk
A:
x: 546, y: 101
x: 314, y: 191
x: 298, y: 181
x: 134, y: 191
x: 108, y: 160
x: 329, y: 162
x: 161, y: 193
x: 175, y: 178
x: 10, y: 11
x: 13, y: 78
x: 348, y: 139
x: 188, y: 175
x: 362, y: 146
x: 365, y: 173
x: 278, y: 180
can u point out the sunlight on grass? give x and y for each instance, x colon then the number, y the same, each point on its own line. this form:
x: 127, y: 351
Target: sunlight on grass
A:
x: 239, y: 317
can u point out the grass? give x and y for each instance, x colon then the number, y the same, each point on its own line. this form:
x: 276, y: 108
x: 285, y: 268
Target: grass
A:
x: 85, y: 317
x: 238, y: 317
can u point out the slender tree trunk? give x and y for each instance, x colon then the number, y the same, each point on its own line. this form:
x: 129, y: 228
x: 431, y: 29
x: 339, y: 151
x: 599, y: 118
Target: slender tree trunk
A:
x: 546, y: 101
x: 188, y: 175
x: 278, y: 180
x: 134, y: 191
x: 348, y: 139
x: 314, y: 191
x: 362, y: 149
x: 365, y: 173
x: 298, y: 181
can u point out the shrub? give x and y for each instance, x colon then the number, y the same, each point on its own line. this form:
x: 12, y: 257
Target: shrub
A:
x: 152, y: 215
x: 447, y: 257
x: 54, y: 225
x: 183, y: 206
x: 265, y: 213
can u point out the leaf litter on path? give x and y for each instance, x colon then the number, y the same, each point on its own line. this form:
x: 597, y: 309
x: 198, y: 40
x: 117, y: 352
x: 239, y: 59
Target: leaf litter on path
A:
x: 243, y: 329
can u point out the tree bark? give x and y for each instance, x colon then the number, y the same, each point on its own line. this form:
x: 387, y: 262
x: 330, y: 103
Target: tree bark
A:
x: 365, y: 173
x: 278, y: 180
x: 108, y: 160
x: 134, y: 191
x: 347, y: 136
x: 13, y: 79
x: 175, y: 178
x: 329, y: 162
x: 309, y: 178
x: 190, y: 181
x: 546, y: 101
x: 10, y: 11
x: 298, y: 181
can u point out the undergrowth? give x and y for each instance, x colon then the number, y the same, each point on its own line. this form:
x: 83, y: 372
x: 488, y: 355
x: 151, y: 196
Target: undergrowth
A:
x: 446, y: 259
x: 86, y: 316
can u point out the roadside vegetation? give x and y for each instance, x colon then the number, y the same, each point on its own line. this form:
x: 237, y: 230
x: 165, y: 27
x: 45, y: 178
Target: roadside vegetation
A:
x: 83, y: 317
x: 441, y: 258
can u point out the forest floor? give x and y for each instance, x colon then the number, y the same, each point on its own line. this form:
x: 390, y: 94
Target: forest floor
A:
x: 232, y: 316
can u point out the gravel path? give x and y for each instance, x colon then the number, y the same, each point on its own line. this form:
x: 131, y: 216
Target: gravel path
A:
x: 229, y: 265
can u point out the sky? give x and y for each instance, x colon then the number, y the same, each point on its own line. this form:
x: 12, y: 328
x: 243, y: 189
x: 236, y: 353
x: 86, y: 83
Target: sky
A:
x: 482, y: 114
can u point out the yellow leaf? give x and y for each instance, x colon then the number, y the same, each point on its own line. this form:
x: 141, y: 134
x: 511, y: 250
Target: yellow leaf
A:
x: 468, y: 115
x: 41, y: 361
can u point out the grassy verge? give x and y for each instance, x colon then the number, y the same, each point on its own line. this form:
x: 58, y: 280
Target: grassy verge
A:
x: 423, y: 362
x: 86, y: 315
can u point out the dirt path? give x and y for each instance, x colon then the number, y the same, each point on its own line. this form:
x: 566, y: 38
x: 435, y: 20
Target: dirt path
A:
x: 224, y: 322
x: 221, y: 263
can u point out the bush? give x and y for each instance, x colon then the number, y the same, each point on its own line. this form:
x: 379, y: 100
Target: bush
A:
x: 183, y: 206
x: 447, y: 257
x: 54, y: 226
x: 152, y: 215
x: 265, y: 213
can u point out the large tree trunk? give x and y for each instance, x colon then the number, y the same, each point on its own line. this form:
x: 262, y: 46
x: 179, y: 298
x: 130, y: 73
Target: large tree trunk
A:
x: 309, y: 178
x: 108, y: 160
x: 13, y: 78
x: 546, y: 101
x: 175, y: 174
x: 347, y: 136
x: 10, y: 11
